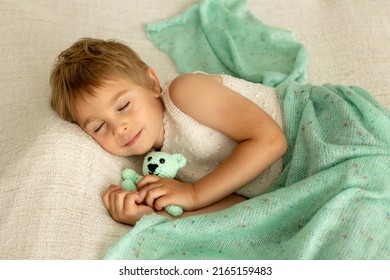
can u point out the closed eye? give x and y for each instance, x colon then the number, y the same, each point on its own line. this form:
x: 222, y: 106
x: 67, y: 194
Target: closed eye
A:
x: 99, y: 128
x: 124, y: 107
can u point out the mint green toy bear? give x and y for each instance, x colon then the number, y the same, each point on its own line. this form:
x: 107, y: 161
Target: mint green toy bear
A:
x: 160, y: 164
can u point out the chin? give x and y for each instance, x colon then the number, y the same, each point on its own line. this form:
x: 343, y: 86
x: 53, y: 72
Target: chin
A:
x: 139, y: 151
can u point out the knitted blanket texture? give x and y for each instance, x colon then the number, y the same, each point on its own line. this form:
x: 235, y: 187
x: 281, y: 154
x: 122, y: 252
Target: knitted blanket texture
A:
x: 332, y: 200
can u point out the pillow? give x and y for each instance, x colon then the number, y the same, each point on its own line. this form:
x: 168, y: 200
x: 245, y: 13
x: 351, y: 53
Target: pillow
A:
x: 52, y: 189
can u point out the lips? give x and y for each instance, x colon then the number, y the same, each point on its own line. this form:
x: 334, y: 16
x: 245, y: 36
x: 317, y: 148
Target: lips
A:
x: 133, y: 140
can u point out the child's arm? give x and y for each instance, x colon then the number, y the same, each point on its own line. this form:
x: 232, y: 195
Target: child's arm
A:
x: 222, y: 204
x: 260, y: 142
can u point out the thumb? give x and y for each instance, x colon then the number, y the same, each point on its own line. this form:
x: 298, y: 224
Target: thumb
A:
x: 139, y: 199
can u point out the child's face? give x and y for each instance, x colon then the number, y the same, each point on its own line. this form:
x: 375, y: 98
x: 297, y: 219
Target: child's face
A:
x: 123, y: 117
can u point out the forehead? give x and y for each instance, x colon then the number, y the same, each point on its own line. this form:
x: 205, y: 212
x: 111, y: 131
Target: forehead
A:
x: 106, y: 90
x: 90, y: 101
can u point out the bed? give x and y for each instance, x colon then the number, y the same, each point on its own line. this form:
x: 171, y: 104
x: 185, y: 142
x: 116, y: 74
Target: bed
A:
x: 53, y: 176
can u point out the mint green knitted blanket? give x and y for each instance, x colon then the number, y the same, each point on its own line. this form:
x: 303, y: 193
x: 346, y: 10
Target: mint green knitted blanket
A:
x: 332, y: 201
x: 223, y: 36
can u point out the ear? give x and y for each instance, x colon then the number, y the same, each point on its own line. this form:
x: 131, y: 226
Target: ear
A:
x: 180, y: 159
x: 154, y: 82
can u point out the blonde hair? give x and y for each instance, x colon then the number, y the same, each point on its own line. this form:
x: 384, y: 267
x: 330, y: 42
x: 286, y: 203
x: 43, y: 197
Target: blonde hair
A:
x: 85, y: 65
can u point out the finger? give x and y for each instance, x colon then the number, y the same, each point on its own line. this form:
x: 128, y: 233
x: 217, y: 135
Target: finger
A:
x: 112, y: 186
x: 154, y: 194
x: 137, y: 198
x: 147, y: 180
x: 146, y: 189
x: 161, y: 202
x: 106, y: 195
x: 117, y: 199
x: 130, y: 203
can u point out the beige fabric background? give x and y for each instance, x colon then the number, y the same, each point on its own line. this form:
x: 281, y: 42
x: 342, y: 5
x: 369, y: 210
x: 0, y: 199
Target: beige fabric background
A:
x: 52, y: 176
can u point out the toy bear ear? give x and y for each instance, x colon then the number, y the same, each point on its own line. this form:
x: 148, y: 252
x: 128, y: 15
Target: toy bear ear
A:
x: 180, y: 159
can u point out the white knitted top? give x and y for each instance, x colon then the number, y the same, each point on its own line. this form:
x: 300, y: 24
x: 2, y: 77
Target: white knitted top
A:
x: 206, y: 148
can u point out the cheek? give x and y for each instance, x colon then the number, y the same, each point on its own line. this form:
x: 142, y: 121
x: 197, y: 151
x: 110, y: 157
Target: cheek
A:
x: 154, y: 115
x: 106, y: 143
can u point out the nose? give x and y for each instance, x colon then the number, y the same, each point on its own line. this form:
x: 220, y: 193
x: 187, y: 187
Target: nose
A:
x: 121, y: 129
x: 152, y: 167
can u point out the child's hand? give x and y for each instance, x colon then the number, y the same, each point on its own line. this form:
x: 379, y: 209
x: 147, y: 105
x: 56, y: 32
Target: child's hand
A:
x: 160, y: 192
x: 125, y: 206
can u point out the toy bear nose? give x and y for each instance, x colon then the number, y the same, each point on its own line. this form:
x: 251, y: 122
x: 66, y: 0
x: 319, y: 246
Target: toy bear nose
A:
x: 152, y: 168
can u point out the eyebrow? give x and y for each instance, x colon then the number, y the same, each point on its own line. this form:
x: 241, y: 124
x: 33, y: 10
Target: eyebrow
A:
x: 111, y: 103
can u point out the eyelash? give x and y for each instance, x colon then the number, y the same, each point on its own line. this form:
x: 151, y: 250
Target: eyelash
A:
x: 124, y: 107
x: 98, y: 129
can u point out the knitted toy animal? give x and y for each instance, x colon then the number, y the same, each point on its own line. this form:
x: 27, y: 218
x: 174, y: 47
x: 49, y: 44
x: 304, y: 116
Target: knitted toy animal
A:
x: 160, y: 164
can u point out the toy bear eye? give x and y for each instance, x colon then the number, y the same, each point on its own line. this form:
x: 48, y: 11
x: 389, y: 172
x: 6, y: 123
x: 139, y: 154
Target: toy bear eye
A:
x: 162, y: 160
x: 149, y: 158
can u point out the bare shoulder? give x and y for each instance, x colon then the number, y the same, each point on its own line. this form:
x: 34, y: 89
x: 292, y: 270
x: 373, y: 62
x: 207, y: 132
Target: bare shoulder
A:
x: 185, y: 80
x: 188, y: 90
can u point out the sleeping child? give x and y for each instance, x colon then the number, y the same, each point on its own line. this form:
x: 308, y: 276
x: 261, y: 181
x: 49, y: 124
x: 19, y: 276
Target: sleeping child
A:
x: 217, y: 122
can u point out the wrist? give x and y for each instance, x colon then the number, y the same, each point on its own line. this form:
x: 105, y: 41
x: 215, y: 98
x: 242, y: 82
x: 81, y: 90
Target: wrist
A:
x: 194, y: 197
